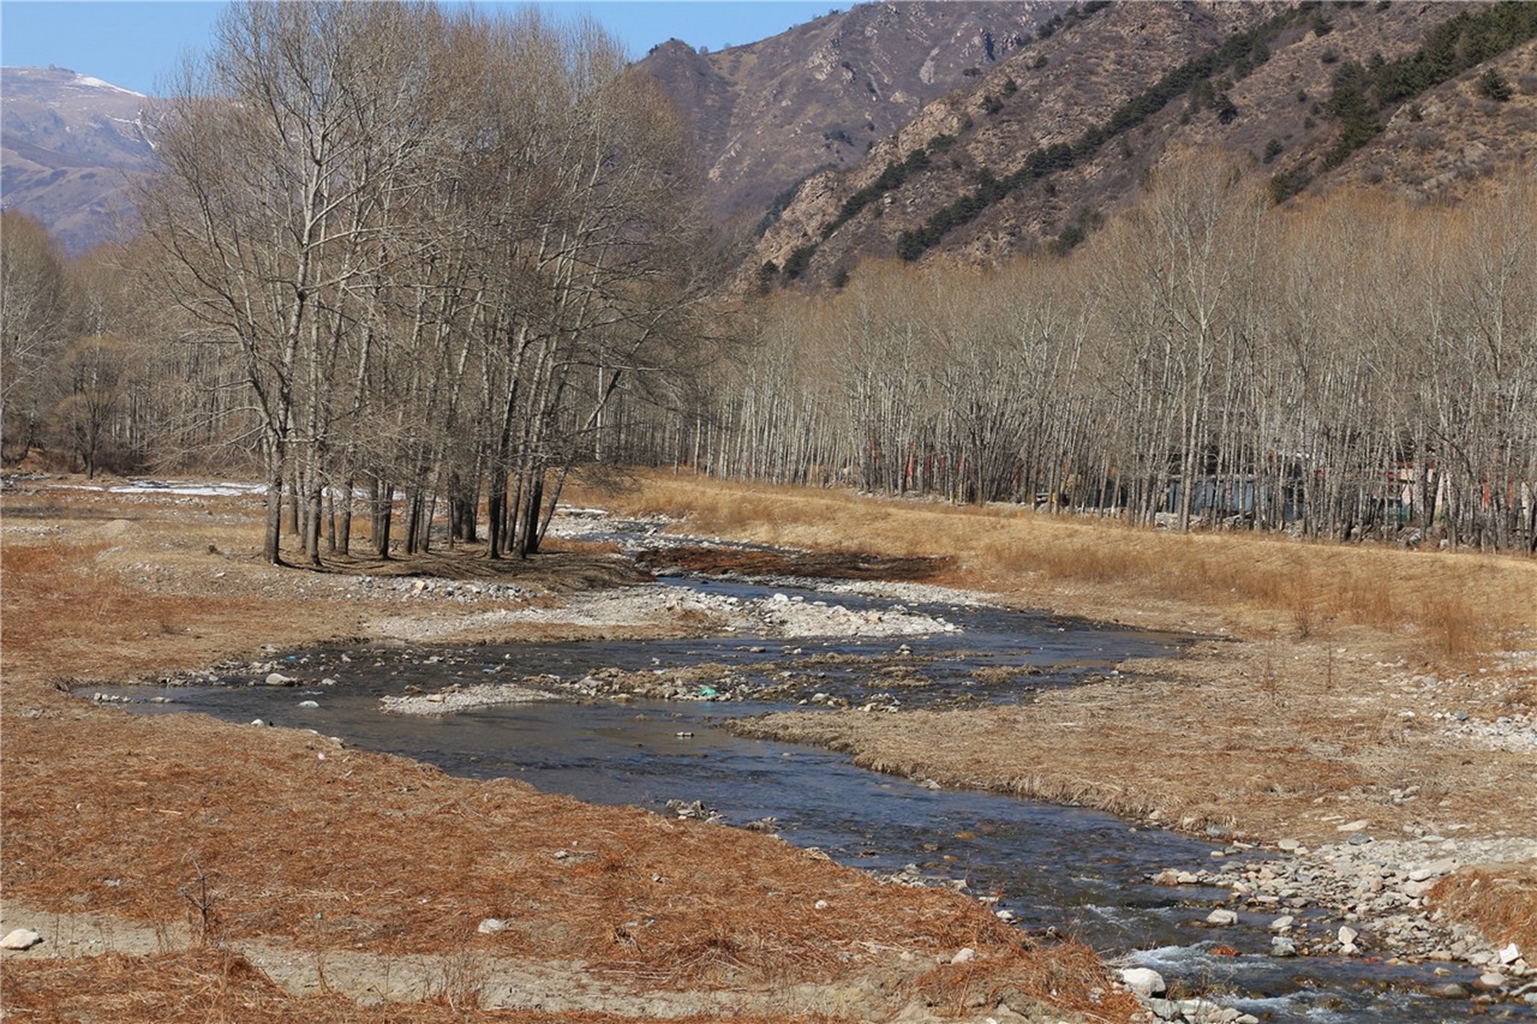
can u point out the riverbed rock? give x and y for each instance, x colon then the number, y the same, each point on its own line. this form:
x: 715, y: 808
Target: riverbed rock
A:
x: 1510, y: 954
x: 308, y: 704
x: 20, y: 938
x: 1222, y: 917
x: 1282, y: 946
x: 1144, y: 981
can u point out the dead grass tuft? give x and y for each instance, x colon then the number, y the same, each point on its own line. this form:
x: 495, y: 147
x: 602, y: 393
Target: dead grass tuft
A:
x: 1073, y: 978
x: 1498, y: 900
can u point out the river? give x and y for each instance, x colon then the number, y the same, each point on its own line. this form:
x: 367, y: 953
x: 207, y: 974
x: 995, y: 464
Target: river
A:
x: 1048, y: 867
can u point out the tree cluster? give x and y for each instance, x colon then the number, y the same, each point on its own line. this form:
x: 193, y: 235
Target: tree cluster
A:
x: 438, y: 247
x: 1359, y: 367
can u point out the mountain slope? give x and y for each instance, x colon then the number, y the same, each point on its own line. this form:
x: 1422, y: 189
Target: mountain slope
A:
x: 1048, y: 143
x: 767, y: 114
x: 69, y: 146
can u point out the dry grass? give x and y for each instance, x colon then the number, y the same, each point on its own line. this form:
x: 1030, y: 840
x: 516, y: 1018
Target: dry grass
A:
x: 1499, y: 900
x: 238, y: 834
x: 212, y: 986
x: 1445, y: 607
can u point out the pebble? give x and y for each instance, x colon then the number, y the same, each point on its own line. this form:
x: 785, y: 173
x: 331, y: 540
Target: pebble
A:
x: 492, y: 925
x: 1376, y: 890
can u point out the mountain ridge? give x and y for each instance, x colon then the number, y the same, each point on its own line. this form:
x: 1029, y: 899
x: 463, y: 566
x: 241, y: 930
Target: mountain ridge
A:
x: 70, y: 148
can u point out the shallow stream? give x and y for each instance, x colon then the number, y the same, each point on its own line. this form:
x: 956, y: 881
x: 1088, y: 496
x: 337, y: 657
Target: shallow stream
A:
x: 1065, y: 868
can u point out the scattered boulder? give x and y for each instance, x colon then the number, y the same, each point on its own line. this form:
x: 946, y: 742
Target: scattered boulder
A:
x: 1222, y: 917
x: 1144, y: 981
x: 20, y: 938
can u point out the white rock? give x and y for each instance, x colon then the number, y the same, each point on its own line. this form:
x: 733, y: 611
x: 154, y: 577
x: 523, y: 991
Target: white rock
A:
x: 1289, y: 845
x: 1510, y: 954
x: 964, y: 955
x: 1222, y: 917
x: 492, y: 925
x: 1352, y: 826
x: 20, y: 938
x: 1144, y: 981
x: 1492, y: 979
x: 278, y: 679
x: 257, y: 721
x: 1282, y: 924
x: 1347, y: 935
x: 308, y: 704
x: 819, y: 905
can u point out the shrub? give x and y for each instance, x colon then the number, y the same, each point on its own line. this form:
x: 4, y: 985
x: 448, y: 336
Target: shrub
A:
x: 1494, y: 86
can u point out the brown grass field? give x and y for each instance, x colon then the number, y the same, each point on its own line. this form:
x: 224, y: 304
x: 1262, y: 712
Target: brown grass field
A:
x: 224, y: 857
x: 223, y: 843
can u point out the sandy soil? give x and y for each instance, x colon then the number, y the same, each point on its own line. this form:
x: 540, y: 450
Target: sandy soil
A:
x: 184, y: 869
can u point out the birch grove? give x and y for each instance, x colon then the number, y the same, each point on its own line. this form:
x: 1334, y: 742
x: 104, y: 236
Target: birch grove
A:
x: 1356, y: 367
x: 441, y: 244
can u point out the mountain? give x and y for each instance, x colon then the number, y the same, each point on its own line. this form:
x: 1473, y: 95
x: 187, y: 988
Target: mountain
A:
x: 69, y: 148
x: 766, y: 115
x: 1046, y: 144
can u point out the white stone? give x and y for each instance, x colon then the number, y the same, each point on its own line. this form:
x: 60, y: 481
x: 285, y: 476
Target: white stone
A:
x: 1144, y: 981
x: 1282, y: 924
x: 964, y: 955
x: 492, y: 925
x: 278, y: 679
x: 1510, y: 954
x: 1352, y: 826
x: 1347, y: 935
x: 20, y: 938
x: 819, y: 905
x: 1289, y: 845
x: 308, y: 704
x: 257, y: 721
x: 1222, y: 917
x: 1492, y: 979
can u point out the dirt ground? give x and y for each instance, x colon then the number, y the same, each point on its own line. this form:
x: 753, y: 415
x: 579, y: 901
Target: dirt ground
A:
x: 179, y: 868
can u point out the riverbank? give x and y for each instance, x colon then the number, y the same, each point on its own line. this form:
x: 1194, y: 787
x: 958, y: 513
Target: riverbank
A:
x: 271, y: 874
x: 1280, y: 726
x: 1334, y: 692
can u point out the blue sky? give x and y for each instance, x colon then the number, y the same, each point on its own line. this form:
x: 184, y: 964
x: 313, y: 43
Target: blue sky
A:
x: 133, y: 44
